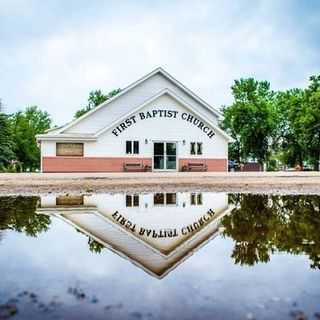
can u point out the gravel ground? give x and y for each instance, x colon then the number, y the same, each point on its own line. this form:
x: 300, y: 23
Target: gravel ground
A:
x: 75, y: 183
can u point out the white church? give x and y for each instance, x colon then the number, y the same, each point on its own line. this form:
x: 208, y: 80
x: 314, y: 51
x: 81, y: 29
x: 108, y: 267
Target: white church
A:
x: 154, y: 124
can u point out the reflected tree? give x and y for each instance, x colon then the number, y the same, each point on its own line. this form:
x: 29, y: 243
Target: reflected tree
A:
x: 19, y: 214
x: 94, y: 246
x: 262, y: 224
x: 300, y: 232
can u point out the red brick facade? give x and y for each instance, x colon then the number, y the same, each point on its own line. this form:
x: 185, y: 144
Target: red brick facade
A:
x: 216, y: 165
x: 102, y: 164
x: 89, y: 164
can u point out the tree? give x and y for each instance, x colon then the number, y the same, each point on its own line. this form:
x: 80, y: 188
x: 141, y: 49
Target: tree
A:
x: 6, y: 141
x: 26, y: 125
x: 263, y: 224
x: 310, y: 121
x: 251, y: 120
x: 298, y: 118
x: 96, y: 97
x: 19, y: 214
x: 288, y: 106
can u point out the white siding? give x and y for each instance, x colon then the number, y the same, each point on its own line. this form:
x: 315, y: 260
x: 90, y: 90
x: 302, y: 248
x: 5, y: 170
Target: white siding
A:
x: 159, y: 129
x: 48, y: 148
x: 130, y: 101
x: 145, y: 250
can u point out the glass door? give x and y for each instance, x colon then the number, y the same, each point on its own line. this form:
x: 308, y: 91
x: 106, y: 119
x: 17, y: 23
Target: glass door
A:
x: 158, y: 156
x: 164, y: 156
x: 171, y: 155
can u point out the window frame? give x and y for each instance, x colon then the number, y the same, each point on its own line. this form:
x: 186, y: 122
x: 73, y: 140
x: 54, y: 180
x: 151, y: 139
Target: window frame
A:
x: 195, y: 147
x: 196, y: 199
x: 69, y: 155
x: 165, y: 199
x: 134, y: 146
x: 134, y: 201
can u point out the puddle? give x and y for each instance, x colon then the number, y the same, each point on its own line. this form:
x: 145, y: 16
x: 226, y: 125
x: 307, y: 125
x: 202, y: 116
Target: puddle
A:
x: 186, y: 255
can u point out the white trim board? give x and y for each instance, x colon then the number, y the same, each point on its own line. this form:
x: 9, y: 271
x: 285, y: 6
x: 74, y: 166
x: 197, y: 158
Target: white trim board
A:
x: 133, y: 85
x: 179, y: 99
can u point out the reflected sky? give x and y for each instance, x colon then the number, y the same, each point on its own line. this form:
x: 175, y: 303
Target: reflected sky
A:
x: 258, y: 257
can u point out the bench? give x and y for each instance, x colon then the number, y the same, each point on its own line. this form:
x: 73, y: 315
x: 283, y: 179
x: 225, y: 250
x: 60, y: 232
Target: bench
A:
x: 195, y: 166
x: 135, y: 167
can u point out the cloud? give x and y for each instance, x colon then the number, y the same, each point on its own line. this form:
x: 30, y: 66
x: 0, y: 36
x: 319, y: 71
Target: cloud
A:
x: 54, y: 55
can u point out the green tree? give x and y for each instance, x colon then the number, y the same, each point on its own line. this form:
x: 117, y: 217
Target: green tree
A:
x: 262, y: 224
x: 289, y: 109
x: 25, y: 126
x: 96, y: 97
x: 6, y: 142
x: 298, y: 119
x: 310, y: 121
x: 19, y: 214
x: 95, y: 246
x: 251, y: 120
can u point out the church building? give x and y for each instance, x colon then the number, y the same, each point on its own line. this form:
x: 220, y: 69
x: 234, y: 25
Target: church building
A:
x: 154, y: 124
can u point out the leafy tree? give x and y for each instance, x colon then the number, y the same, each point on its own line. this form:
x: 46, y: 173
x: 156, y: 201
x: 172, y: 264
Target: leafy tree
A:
x: 289, y: 110
x: 6, y: 142
x: 262, y: 224
x: 250, y: 120
x: 95, y: 246
x: 26, y: 125
x: 19, y: 214
x: 310, y: 121
x: 96, y: 97
x: 298, y: 120
x: 252, y: 226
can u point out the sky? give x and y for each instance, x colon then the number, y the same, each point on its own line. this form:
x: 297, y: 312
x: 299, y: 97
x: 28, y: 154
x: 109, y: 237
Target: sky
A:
x: 54, y: 52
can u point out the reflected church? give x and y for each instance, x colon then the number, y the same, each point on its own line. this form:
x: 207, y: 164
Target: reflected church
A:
x: 155, y: 231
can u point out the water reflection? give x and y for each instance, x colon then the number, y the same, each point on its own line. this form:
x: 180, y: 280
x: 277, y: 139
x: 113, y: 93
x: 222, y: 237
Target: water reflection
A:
x: 159, y: 231
x: 154, y: 231
x: 19, y: 214
x: 261, y: 225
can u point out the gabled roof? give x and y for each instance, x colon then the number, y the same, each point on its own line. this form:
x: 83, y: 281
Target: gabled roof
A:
x: 183, y: 251
x: 175, y: 97
x: 93, y: 137
x: 136, y: 83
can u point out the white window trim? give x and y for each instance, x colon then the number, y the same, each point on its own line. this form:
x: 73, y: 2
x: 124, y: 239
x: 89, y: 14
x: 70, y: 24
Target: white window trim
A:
x: 165, y: 200
x: 196, y: 149
x: 132, y: 200
x: 132, y: 143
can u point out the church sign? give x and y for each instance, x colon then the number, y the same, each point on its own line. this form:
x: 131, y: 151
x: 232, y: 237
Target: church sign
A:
x: 163, y: 113
x: 164, y: 233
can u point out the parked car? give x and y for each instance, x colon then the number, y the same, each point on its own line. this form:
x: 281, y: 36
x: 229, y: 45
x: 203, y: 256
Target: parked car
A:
x: 233, y: 165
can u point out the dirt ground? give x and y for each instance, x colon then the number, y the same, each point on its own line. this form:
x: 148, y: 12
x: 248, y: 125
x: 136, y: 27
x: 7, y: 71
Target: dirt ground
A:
x: 76, y: 183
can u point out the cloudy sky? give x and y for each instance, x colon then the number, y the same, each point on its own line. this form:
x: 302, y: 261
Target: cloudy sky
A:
x: 52, y: 53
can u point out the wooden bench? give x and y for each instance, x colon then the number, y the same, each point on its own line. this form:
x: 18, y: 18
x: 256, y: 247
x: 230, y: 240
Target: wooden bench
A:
x: 195, y: 166
x: 135, y: 167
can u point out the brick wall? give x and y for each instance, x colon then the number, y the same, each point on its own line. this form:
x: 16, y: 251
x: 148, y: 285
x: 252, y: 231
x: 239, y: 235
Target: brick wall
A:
x: 212, y: 164
x: 104, y: 164
x: 88, y: 164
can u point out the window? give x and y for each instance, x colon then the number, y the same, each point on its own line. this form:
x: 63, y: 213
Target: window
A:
x: 196, y: 199
x: 69, y: 149
x: 136, y: 147
x: 160, y: 199
x: 69, y: 201
x: 132, y: 147
x: 132, y: 200
x: 171, y: 198
x: 196, y: 148
x: 193, y: 148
